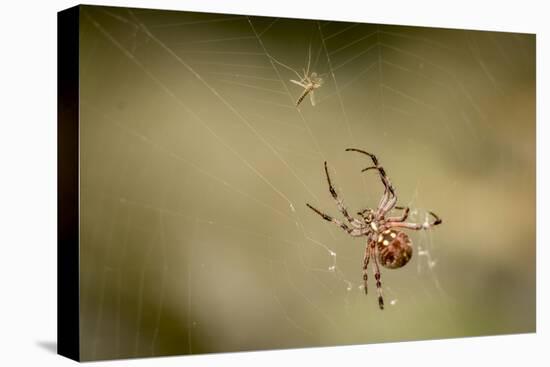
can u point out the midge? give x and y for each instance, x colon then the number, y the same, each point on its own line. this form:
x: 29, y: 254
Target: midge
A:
x: 308, y: 81
x: 386, y: 243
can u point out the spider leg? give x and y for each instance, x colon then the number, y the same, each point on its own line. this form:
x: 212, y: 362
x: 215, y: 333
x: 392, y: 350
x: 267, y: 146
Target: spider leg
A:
x: 385, y: 181
x: 366, y: 260
x: 339, y: 202
x: 372, y: 156
x: 383, y: 176
x: 387, y: 201
x: 377, y: 277
x: 416, y: 226
x: 355, y: 232
x: 389, y: 198
x: 403, y: 217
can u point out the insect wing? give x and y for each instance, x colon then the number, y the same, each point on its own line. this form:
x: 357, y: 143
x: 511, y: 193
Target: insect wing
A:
x: 312, y: 98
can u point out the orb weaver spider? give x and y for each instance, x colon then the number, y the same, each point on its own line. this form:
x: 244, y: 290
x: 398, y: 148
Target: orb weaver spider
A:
x: 386, y: 243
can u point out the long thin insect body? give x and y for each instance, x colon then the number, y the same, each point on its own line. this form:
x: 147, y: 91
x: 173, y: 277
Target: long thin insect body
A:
x: 304, y: 94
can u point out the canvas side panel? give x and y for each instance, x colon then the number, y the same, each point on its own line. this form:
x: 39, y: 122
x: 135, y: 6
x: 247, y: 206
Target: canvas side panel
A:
x: 68, y: 340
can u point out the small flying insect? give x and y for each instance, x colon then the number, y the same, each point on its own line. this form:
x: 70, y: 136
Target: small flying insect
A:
x: 308, y: 81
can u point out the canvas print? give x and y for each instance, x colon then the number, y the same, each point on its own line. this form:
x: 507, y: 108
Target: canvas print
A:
x: 257, y: 183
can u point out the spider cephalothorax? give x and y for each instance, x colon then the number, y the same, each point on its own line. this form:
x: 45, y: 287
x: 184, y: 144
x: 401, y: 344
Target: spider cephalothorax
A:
x: 386, y: 243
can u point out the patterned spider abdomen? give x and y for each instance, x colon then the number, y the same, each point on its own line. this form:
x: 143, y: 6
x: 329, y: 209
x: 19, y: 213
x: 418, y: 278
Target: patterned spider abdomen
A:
x: 394, y: 249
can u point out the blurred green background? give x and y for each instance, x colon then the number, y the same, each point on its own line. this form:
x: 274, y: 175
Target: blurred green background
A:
x: 196, y: 167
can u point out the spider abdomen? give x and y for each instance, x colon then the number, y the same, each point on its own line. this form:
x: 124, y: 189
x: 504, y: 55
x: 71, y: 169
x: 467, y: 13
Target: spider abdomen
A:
x: 394, y: 249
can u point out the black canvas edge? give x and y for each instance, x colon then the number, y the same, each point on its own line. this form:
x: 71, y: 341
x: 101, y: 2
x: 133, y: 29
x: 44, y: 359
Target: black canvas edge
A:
x: 68, y: 246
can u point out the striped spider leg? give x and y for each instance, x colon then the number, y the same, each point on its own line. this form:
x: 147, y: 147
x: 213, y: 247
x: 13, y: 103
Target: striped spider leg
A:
x: 386, y: 244
x: 354, y: 227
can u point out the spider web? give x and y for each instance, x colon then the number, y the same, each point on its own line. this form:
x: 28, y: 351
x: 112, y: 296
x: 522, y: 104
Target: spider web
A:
x: 197, y: 166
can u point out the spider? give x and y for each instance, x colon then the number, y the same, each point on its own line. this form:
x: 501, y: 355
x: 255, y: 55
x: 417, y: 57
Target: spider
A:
x: 386, y: 243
